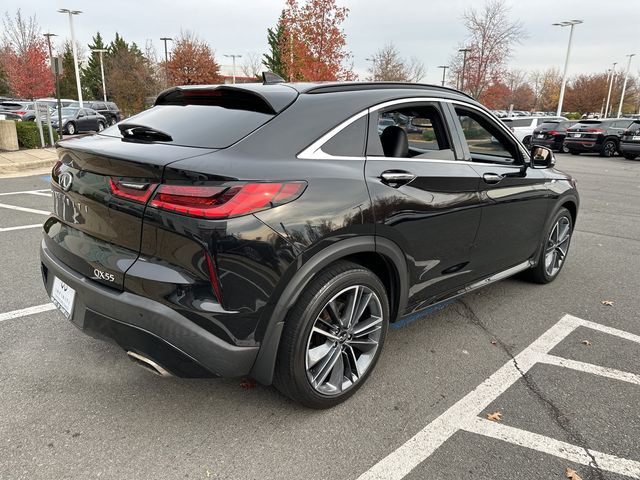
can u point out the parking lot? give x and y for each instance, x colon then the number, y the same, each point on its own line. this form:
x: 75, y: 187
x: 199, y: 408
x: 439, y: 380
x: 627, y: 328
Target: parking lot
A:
x: 559, y: 364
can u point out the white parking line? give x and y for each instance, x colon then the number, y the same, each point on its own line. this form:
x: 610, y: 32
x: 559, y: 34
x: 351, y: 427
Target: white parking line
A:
x: 20, y: 227
x: 24, y: 209
x: 590, y: 368
x: 463, y: 415
x: 27, y: 311
x: 44, y: 192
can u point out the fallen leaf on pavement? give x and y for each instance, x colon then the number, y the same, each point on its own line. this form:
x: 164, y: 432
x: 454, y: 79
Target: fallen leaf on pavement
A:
x: 608, y: 303
x: 572, y: 474
x: 586, y: 342
x: 493, y: 342
x: 248, y: 383
x: 495, y: 416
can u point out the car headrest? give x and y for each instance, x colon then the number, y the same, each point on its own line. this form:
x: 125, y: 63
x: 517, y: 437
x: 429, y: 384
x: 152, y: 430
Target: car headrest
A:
x: 394, y: 142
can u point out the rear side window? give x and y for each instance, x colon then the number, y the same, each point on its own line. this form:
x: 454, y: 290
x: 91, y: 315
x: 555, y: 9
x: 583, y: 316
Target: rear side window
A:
x: 349, y: 142
x: 211, y: 121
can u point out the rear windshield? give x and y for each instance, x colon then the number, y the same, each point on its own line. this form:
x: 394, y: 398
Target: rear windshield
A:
x: 204, y: 126
x: 518, y: 122
x: 14, y: 106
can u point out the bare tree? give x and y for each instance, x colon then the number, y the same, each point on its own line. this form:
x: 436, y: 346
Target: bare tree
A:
x: 389, y: 66
x: 491, y: 36
x: 252, y: 65
x: 20, y: 33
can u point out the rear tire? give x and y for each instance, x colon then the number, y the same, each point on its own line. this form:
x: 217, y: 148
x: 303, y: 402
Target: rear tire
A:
x: 112, y: 121
x: 527, y: 141
x: 318, y: 334
x: 554, y: 248
x: 71, y: 128
x: 565, y: 149
x: 100, y: 126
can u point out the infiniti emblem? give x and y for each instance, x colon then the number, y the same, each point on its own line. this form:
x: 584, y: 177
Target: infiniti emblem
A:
x: 65, y: 180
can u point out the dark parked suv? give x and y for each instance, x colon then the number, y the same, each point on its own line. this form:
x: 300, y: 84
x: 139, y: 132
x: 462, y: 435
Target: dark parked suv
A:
x: 109, y: 110
x: 596, y: 136
x: 630, y: 141
x: 552, y: 134
x: 270, y: 230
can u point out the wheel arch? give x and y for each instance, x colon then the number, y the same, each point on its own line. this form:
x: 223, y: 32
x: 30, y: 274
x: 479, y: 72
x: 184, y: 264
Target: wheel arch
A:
x: 379, y: 255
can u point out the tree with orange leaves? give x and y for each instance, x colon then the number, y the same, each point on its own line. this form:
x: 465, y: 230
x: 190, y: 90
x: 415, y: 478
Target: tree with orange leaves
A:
x: 313, y: 42
x: 192, y: 62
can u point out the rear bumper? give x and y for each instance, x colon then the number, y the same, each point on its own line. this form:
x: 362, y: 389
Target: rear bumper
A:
x: 583, y: 145
x: 546, y: 142
x: 147, y: 327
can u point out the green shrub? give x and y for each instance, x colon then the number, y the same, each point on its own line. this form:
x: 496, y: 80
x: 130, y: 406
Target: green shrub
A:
x: 429, y: 135
x: 29, y: 137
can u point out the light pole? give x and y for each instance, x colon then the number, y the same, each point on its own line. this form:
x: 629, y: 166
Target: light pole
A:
x: 373, y: 71
x: 569, y: 23
x: 166, y: 58
x: 101, y: 51
x: 444, y: 71
x: 71, y: 13
x: 57, y: 78
x: 613, y: 76
x: 234, y: 56
x: 602, y: 113
x: 464, y: 66
x: 624, y: 84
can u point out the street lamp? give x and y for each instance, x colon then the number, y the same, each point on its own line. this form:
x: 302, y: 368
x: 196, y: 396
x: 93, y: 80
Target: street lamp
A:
x: 57, y: 78
x: 444, y: 71
x: 569, y: 23
x: 373, y: 67
x: 166, y: 58
x: 234, y: 56
x: 101, y: 51
x: 624, y: 84
x: 613, y: 76
x: 71, y: 13
x: 464, y: 65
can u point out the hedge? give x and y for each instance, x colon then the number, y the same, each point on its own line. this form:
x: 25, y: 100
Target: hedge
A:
x: 29, y: 137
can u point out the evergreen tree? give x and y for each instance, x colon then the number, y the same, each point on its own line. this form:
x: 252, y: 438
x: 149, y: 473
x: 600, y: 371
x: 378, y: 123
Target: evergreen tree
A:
x: 5, y: 89
x: 273, y: 60
x: 91, y: 75
x: 68, y: 87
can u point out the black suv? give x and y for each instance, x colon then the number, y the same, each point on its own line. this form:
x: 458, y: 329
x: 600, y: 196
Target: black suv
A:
x: 273, y: 230
x: 630, y: 141
x: 596, y: 136
x: 552, y: 134
x: 109, y: 110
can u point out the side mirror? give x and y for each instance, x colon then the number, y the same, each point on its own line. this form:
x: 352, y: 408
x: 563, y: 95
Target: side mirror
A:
x: 542, y: 157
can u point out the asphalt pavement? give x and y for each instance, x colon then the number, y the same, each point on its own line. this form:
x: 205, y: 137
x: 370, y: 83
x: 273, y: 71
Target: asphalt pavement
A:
x: 560, y: 367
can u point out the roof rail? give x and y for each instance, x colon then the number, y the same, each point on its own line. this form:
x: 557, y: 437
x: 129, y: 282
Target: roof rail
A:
x: 354, y: 86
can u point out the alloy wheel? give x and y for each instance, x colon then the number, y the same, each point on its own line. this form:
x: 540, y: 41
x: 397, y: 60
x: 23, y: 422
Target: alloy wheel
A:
x: 609, y: 149
x: 344, y: 340
x: 557, y: 246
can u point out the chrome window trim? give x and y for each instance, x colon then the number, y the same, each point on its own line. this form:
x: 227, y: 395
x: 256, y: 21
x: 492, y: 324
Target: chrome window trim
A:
x: 315, y: 152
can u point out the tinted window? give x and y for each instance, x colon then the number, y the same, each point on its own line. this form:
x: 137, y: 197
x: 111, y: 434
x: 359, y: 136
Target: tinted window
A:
x: 349, y: 142
x: 198, y: 125
x: 621, y: 124
x: 98, y: 106
x: 484, y: 139
x: 90, y: 111
x: 112, y: 106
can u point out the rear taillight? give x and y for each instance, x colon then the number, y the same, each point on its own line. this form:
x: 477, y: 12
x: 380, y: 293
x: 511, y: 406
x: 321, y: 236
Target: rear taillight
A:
x: 135, y: 191
x: 225, y: 202
x: 20, y: 112
x: 594, y: 130
x: 552, y: 132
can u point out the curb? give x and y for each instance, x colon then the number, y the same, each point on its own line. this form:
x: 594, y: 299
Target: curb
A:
x: 24, y: 166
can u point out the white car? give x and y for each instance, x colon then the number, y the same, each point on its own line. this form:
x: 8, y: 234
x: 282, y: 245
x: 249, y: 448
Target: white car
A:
x: 523, y: 127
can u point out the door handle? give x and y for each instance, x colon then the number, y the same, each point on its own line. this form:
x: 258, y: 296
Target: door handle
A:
x: 396, y: 178
x: 491, y: 178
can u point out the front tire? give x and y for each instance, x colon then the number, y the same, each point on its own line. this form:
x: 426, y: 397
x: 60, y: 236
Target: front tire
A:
x: 564, y: 149
x: 609, y: 148
x: 332, y: 336
x: 71, y: 128
x: 100, y: 126
x: 630, y: 156
x: 554, y: 249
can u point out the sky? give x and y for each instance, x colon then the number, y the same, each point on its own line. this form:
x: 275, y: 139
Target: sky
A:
x: 429, y: 30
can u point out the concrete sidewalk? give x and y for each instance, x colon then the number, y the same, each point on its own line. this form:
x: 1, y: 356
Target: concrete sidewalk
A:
x: 22, y: 160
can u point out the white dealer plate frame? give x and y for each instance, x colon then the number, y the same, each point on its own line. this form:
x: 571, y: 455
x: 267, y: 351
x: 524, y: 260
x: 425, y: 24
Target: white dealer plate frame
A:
x: 63, y: 297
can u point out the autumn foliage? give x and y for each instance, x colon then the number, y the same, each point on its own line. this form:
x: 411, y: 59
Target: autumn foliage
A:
x: 313, y: 42
x: 28, y: 73
x: 192, y: 62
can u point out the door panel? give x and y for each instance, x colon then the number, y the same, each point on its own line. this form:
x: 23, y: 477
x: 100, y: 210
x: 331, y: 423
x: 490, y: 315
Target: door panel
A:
x: 425, y: 203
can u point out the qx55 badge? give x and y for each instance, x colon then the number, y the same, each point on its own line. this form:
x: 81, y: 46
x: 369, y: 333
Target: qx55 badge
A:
x: 65, y: 180
x: 103, y: 275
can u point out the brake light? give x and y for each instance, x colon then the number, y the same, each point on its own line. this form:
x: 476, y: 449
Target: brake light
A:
x: 594, y: 130
x: 552, y: 132
x: 20, y: 112
x: 135, y: 191
x: 225, y: 202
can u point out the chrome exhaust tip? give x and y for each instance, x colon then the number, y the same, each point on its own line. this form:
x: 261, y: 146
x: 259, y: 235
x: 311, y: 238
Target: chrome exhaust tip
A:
x: 147, y: 364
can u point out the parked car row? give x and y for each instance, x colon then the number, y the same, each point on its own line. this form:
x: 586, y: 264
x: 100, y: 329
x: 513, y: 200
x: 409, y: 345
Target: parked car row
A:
x: 603, y: 136
x: 19, y: 110
x: 77, y: 120
x: 523, y: 127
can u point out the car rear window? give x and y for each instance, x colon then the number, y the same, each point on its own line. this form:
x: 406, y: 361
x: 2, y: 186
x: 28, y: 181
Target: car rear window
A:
x: 203, y: 126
